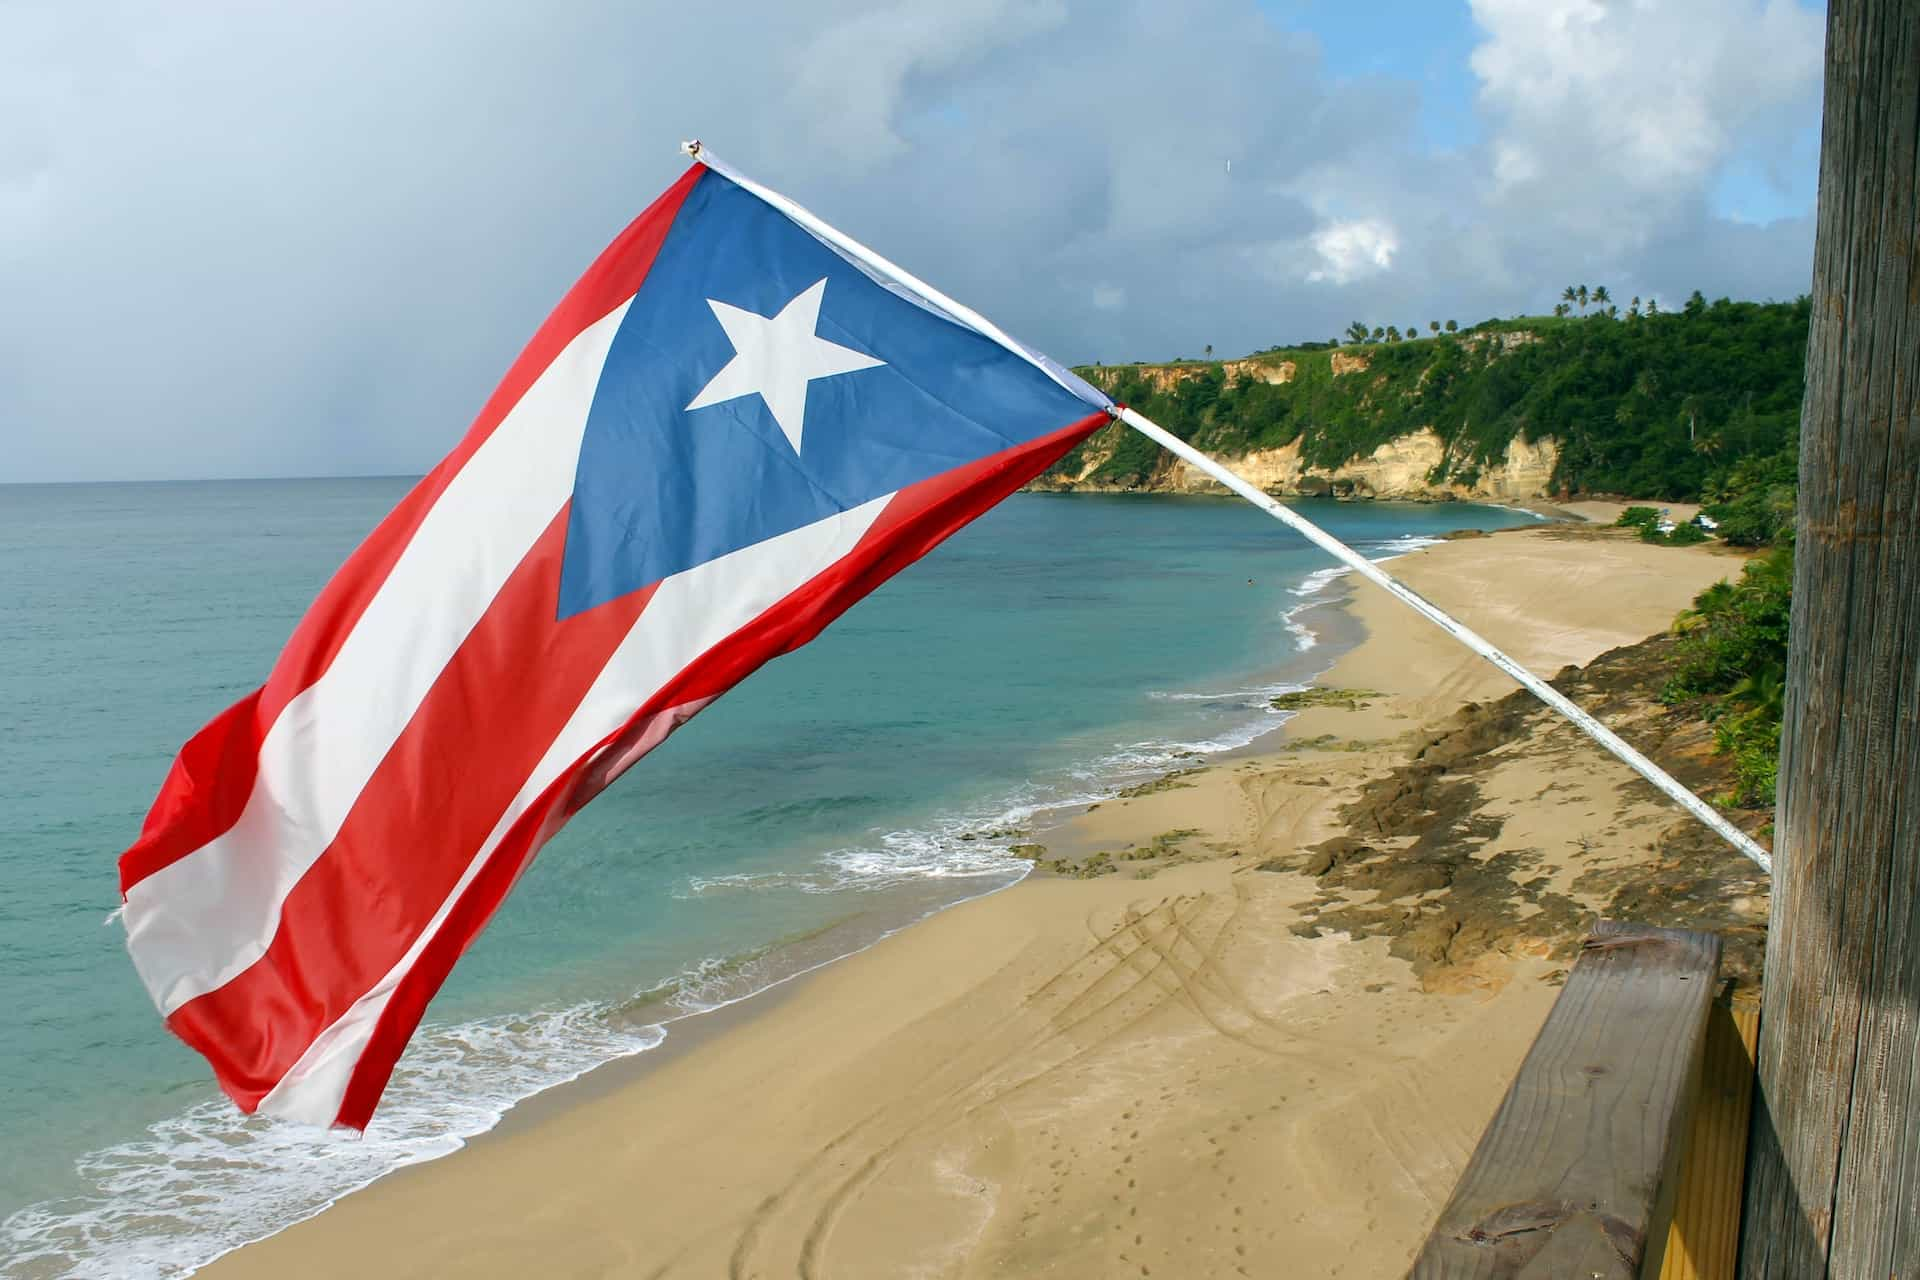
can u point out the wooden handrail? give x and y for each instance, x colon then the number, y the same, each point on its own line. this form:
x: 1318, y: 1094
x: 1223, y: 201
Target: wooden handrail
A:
x: 1576, y: 1174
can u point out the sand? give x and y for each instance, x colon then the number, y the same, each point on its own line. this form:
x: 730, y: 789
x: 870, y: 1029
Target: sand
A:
x: 1249, y: 1051
x: 1603, y: 511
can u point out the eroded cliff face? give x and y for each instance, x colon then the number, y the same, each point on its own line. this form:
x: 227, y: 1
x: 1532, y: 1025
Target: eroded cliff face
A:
x: 1399, y: 469
x: 1165, y: 377
x: 1402, y: 468
x: 1277, y: 373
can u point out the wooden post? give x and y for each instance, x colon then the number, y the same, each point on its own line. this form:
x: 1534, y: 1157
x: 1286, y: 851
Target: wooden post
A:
x: 1834, y: 1184
x: 1705, y: 1241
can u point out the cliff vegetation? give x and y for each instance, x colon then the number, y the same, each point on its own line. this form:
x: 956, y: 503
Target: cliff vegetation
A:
x: 1700, y: 403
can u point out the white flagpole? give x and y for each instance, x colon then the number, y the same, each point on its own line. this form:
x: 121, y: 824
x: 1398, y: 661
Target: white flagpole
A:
x: 1465, y: 635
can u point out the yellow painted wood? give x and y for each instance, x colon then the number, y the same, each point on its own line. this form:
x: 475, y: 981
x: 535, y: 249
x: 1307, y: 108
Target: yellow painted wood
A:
x: 1705, y: 1238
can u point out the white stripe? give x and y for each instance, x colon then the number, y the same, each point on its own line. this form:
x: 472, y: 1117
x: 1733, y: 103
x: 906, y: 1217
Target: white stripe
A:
x: 689, y: 614
x: 195, y: 924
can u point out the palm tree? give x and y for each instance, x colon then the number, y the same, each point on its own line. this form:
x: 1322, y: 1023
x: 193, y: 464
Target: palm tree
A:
x: 1691, y: 406
x: 1357, y: 331
x: 1560, y: 308
x: 1378, y: 333
x: 1393, y: 333
x: 1209, y: 351
x: 1653, y: 306
x: 1601, y: 297
x: 1453, y: 326
x: 1580, y: 295
x: 1434, y: 325
x: 1571, y: 296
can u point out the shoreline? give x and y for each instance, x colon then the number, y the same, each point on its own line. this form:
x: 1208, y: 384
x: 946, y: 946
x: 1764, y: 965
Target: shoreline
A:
x: 1249, y: 809
x: 694, y: 1028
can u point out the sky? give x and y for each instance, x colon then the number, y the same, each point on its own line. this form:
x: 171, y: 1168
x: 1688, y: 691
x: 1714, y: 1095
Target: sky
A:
x: 251, y: 240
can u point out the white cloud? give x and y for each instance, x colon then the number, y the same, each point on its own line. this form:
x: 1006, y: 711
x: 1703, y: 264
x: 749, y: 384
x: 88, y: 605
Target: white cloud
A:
x: 1350, y: 251
x: 1608, y: 115
x: 242, y: 240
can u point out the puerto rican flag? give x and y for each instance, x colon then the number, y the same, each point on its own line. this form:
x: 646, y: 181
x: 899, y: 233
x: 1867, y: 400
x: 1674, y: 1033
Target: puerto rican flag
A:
x: 736, y: 425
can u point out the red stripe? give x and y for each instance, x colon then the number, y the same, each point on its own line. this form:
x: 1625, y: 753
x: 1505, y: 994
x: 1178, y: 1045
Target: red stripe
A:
x: 430, y: 804
x: 917, y: 520
x: 212, y: 777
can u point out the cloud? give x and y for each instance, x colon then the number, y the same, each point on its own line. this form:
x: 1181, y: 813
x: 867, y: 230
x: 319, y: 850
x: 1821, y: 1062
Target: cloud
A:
x: 1348, y: 251
x: 1611, y: 117
x: 1612, y: 121
x: 239, y: 239
x: 855, y: 72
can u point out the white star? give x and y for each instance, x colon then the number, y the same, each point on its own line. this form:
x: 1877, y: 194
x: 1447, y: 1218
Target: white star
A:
x: 776, y: 357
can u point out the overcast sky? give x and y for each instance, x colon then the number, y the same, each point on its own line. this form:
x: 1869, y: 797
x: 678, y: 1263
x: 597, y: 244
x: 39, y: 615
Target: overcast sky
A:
x: 249, y: 240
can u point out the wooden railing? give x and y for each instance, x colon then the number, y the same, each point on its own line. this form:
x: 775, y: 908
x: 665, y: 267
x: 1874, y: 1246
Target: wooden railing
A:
x: 1579, y: 1173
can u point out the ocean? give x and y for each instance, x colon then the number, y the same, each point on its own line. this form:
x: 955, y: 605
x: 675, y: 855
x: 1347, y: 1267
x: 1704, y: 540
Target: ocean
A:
x: 1062, y: 647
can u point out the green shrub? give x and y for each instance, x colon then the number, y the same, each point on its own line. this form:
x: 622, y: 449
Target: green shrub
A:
x: 1733, y: 656
x: 1638, y: 518
x: 1685, y: 534
x: 1753, y: 500
x: 1754, y: 747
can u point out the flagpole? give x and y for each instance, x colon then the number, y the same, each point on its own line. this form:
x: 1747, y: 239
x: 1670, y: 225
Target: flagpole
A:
x: 1465, y: 635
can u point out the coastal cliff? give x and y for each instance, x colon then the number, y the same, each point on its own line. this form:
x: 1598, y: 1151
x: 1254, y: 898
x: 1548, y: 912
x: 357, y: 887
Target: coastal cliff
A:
x: 1401, y: 469
x: 1665, y: 405
x: 1420, y: 466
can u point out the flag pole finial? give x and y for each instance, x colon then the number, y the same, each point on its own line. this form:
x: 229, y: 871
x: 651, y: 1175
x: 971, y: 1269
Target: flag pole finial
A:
x: 691, y: 147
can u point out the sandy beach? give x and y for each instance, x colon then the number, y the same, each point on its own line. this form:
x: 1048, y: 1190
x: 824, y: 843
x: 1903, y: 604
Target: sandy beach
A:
x: 1247, y: 1021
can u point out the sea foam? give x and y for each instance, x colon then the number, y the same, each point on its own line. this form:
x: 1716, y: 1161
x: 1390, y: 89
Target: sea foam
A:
x: 208, y: 1180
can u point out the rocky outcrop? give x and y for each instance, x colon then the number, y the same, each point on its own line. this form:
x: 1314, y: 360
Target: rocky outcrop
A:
x: 1398, y: 469
x: 1165, y: 377
x: 1275, y: 373
x: 1505, y: 341
x: 1092, y: 457
x: 1161, y: 377
x: 1418, y: 466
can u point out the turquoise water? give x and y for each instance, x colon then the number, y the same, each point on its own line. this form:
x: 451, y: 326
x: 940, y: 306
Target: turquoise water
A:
x: 1059, y: 648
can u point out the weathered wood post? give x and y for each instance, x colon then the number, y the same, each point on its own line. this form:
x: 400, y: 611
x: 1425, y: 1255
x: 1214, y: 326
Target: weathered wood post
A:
x: 1834, y: 1187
